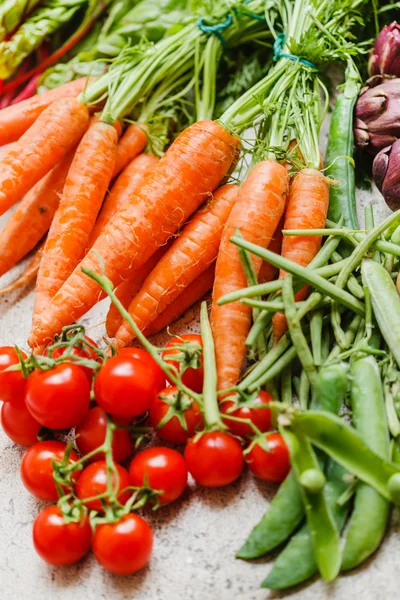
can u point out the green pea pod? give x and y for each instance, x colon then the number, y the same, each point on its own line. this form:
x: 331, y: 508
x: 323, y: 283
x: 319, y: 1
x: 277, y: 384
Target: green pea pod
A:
x: 281, y: 519
x: 323, y: 530
x: 371, y: 511
x: 342, y: 201
x: 385, y: 303
x: 286, y: 510
x: 296, y: 563
x: 345, y: 445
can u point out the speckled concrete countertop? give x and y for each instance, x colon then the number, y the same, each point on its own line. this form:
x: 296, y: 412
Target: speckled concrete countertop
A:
x: 195, y: 538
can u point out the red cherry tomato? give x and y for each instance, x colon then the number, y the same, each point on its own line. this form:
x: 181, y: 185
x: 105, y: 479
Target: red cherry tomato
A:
x: 273, y: 465
x: 58, y: 398
x: 192, y: 377
x: 160, y: 469
x: 123, y: 547
x: 125, y: 387
x: 83, y: 351
x: 18, y: 423
x: 139, y: 354
x: 214, y: 459
x: 57, y: 542
x: 91, y: 432
x: 261, y: 417
x: 12, y: 383
x: 93, y: 481
x: 37, y: 469
x: 173, y: 430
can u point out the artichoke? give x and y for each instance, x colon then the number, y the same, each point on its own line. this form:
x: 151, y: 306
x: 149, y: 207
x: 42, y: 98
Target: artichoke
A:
x: 385, y: 55
x: 386, y: 174
x: 377, y: 114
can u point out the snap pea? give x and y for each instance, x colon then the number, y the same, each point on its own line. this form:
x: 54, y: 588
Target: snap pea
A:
x: 331, y: 388
x: 296, y: 563
x: 371, y: 511
x: 323, y: 531
x: 342, y: 202
x: 385, y: 303
x: 345, y: 445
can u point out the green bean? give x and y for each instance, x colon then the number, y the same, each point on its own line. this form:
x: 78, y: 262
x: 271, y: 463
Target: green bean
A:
x: 380, y: 245
x: 323, y: 530
x: 274, y: 370
x: 370, y: 224
x: 266, y: 362
x: 303, y: 273
x: 316, y: 323
x: 385, y: 303
x: 286, y: 385
x: 304, y: 390
x: 350, y: 334
x: 263, y: 319
x: 296, y: 563
x: 371, y: 511
x: 344, y: 444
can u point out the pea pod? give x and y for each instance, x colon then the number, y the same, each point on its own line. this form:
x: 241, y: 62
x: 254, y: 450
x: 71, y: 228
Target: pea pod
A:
x: 385, y: 303
x: 345, y: 445
x: 286, y: 510
x: 371, y: 511
x: 296, y: 563
x: 342, y: 202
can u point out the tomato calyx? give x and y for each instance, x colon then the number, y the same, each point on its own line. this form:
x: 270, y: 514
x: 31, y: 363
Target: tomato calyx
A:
x: 260, y: 440
x: 187, y: 354
x: 178, y: 404
x: 63, y: 472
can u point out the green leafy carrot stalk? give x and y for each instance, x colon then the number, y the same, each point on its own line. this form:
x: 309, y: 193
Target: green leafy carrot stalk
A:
x: 12, y: 13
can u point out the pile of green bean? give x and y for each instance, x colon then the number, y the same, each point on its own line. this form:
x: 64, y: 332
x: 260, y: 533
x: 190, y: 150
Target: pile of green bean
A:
x: 341, y: 360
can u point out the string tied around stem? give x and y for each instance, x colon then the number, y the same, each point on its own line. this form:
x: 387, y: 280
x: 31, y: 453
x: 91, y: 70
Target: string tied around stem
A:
x: 279, y: 44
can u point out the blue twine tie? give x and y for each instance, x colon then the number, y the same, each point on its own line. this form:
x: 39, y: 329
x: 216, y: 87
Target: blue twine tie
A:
x: 278, y: 47
x: 216, y: 29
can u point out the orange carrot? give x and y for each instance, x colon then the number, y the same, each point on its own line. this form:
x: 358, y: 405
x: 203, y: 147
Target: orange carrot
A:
x: 191, y: 254
x: 83, y: 193
x: 17, y: 118
x: 256, y: 214
x: 192, y: 294
x: 130, y: 145
x: 33, y: 217
x: 183, y: 179
x: 268, y: 272
x: 307, y: 209
x: 128, y: 289
x: 122, y: 191
x: 27, y: 275
x: 52, y: 135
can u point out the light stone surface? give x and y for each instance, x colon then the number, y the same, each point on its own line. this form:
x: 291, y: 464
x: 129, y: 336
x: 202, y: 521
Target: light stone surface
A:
x: 195, y: 539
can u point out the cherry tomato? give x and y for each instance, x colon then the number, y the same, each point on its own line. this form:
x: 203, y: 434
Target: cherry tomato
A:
x: 123, y: 547
x: 160, y: 469
x: 58, y: 398
x: 214, y: 459
x: 125, y: 386
x: 12, y: 383
x: 261, y: 417
x: 192, y: 377
x: 173, y: 431
x: 93, y: 481
x: 18, y: 423
x: 91, y: 432
x: 83, y: 351
x: 273, y: 465
x: 37, y: 468
x: 57, y: 542
x: 139, y: 354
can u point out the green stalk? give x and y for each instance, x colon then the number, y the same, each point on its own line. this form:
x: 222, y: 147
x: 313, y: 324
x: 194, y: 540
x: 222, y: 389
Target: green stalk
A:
x: 210, y: 400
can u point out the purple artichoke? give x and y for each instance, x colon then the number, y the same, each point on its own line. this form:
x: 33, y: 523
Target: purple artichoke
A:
x: 377, y: 114
x: 385, y: 55
x: 386, y: 173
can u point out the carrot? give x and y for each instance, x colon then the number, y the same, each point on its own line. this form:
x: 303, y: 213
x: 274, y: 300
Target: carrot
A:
x: 307, y: 209
x: 83, y: 193
x: 28, y: 274
x: 130, y: 145
x: 191, y: 254
x: 268, y: 272
x: 52, y: 135
x: 192, y: 294
x: 128, y: 289
x: 122, y: 190
x: 33, y: 217
x: 256, y: 214
x: 183, y: 179
x: 16, y: 119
